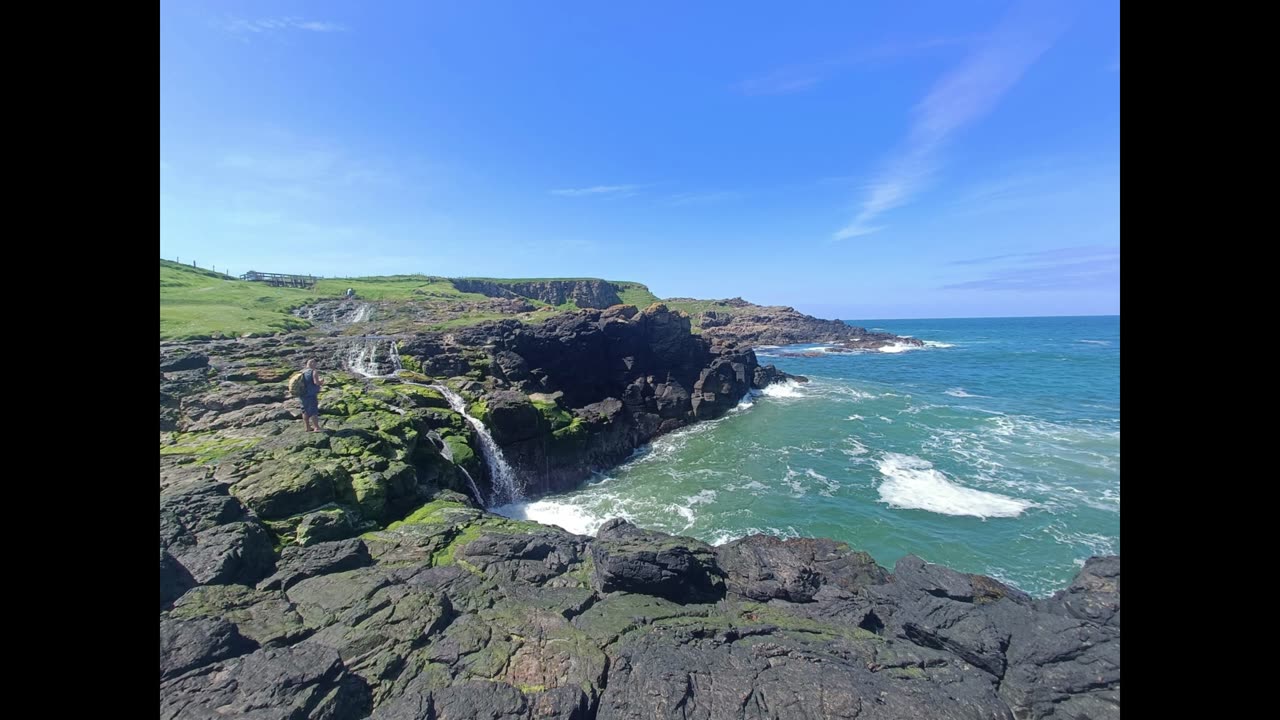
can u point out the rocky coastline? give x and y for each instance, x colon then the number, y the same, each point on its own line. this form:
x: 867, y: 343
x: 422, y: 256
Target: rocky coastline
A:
x: 355, y: 573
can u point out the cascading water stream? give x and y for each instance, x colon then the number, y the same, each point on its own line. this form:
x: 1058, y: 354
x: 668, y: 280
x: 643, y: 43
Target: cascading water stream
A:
x: 362, y: 359
x: 505, y: 488
x: 447, y: 453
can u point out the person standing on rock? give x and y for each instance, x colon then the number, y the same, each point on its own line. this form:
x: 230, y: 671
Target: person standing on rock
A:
x: 312, y: 383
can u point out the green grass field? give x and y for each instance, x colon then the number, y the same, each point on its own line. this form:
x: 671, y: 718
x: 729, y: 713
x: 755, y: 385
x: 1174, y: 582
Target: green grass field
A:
x: 198, y: 304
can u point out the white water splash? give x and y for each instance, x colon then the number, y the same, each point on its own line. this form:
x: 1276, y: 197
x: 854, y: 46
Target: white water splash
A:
x: 506, y: 489
x: 898, y: 348
x: 961, y: 393
x: 362, y: 359
x: 785, y: 389
x: 913, y: 483
x: 395, y: 356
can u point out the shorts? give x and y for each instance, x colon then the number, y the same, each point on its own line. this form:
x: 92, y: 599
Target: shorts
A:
x: 310, y: 405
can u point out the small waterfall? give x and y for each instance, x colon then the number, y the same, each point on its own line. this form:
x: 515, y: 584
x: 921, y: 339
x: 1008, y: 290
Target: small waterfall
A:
x: 361, y: 314
x: 447, y: 453
x: 362, y: 359
x: 505, y: 488
x: 475, y: 491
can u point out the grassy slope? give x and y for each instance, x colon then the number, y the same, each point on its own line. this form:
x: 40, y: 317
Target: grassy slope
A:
x: 196, y: 303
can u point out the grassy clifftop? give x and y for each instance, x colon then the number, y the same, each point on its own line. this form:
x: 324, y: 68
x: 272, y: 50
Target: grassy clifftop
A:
x: 198, y: 303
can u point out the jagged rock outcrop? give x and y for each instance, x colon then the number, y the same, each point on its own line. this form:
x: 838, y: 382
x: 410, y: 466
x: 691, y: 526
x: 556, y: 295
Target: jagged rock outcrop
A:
x: 456, y: 613
x: 619, y: 377
x: 586, y: 293
x: 751, y: 325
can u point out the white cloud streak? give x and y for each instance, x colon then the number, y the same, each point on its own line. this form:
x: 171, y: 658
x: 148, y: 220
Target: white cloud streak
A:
x: 273, y: 25
x: 957, y: 100
x: 610, y: 190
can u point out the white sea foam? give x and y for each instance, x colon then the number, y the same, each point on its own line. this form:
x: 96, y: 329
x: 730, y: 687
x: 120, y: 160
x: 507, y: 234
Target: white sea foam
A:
x: 791, y: 480
x: 937, y: 344
x: 898, y: 348
x: 567, y: 515
x: 788, y: 389
x: 856, y: 448
x: 1095, y: 342
x: 831, y: 485
x: 702, y: 498
x: 725, y: 536
x: 912, y: 482
x: 685, y: 512
x: 856, y: 417
x: 962, y: 393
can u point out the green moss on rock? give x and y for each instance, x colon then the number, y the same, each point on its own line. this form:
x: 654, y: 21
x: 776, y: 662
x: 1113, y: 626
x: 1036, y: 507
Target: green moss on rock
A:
x: 555, y: 417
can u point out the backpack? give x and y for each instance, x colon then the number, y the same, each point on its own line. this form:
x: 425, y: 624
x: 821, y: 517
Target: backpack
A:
x: 297, y: 384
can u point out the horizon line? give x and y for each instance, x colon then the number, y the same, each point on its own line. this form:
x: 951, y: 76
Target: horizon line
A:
x: 982, y: 317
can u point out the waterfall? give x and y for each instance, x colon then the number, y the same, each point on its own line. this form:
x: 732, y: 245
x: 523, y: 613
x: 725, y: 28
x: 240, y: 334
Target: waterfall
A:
x: 361, y: 314
x: 362, y: 359
x: 474, y: 490
x: 505, y: 488
x: 447, y: 453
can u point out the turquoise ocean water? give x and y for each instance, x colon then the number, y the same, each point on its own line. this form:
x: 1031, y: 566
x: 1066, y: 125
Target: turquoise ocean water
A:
x: 995, y: 449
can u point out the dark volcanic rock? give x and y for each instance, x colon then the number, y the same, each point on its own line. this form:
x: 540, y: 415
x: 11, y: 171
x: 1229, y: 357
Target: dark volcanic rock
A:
x: 762, y: 567
x: 583, y: 293
x: 211, y: 537
x: 664, y: 376
x: 179, y: 361
x: 641, y: 561
x: 512, y: 417
x: 190, y: 644
x: 174, y: 579
x: 1094, y: 595
x: 299, y: 563
x: 699, y: 671
x: 753, y: 325
x: 304, y: 681
x: 459, y: 613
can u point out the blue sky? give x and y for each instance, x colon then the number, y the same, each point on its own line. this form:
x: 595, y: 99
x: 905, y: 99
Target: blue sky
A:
x: 869, y: 159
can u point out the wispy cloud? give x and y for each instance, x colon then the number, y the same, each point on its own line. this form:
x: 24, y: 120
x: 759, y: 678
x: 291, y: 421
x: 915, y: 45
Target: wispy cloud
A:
x: 1068, y: 268
x: 281, y: 24
x: 805, y: 76
x: 959, y: 98
x: 611, y: 190
x: 1078, y: 252
x: 702, y: 198
x: 1050, y: 183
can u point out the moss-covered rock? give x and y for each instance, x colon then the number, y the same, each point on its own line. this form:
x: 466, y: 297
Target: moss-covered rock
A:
x: 280, y: 489
x: 479, y: 409
x: 377, y: 494
x: 335, y: 523
x: 423, y: 397
x: 267, y: 618
x: 555, y: 417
